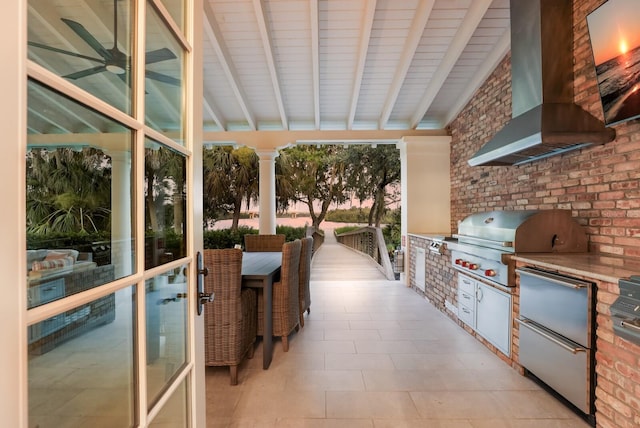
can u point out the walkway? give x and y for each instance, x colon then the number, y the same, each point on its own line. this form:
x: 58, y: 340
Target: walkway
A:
x: 374, y: 354
x: 335, y: 262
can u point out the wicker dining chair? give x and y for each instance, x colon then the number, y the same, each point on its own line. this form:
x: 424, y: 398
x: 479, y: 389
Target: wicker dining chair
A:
x: 231, y: 319
x: 285, y: 308
x: 304, y: 275
x: 269, y: 243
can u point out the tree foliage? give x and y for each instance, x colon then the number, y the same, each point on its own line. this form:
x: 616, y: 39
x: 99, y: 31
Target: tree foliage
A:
x: 230, y: 180
x: 374, y: 173
x: 314, y: 176
x: 68, y: 191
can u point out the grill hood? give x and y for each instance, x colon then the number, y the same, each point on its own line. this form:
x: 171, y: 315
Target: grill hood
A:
x: 545, y: 119
x: 528, y: 231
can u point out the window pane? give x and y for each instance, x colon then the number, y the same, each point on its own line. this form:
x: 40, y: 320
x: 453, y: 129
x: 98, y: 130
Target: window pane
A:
x: 176, y: 10
x: 78, y: 42
x: 164, y: 64
x: 174, y: 413
x: 166, y: 329
x: 81, y: 371
x: 79, y: 194
x: 165, y: 205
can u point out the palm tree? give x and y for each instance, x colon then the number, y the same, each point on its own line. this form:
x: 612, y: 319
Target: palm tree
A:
x: 68, y: 191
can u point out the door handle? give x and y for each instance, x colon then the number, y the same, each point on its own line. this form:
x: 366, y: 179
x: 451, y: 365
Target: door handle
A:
x: 202, y: 296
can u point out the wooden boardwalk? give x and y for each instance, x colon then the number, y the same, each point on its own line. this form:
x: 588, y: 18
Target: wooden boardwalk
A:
x: 335, y: 262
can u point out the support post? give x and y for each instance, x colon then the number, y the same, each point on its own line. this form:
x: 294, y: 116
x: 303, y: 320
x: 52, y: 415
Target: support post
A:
x: 267, y: 189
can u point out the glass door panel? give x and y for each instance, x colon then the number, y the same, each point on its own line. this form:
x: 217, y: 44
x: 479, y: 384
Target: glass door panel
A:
x: 165, y: 205
x: 81, y: 371
x: 79, y: 193
x: 89, y: 44
x: 174, y: 413
x: 167, y: 321
x: 164, y: 100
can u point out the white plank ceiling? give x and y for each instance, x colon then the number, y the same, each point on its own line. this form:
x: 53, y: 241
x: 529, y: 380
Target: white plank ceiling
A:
x: 347, y: 64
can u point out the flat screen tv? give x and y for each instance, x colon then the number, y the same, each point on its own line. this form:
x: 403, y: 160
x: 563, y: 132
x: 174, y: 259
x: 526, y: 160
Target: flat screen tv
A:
x: 614, y: 31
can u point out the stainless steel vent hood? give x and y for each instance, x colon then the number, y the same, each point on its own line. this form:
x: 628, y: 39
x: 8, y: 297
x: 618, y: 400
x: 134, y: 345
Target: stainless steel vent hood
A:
x: 545, y: 119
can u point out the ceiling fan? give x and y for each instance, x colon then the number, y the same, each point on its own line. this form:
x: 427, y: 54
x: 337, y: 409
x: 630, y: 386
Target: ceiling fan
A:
x: 111, y: 60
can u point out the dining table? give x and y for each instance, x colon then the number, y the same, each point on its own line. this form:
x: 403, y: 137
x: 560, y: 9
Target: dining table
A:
x: 260, y: 270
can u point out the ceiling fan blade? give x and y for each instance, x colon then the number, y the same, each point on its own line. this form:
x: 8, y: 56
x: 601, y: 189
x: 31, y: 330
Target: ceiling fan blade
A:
x: 88, y: 38
x: 159, y: 55
x: 62, y: 51
x: 87, y: 72
x: 162, y: 78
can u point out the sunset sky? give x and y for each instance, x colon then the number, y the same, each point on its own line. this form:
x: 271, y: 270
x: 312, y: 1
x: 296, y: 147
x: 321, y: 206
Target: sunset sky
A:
x: 614, y: 28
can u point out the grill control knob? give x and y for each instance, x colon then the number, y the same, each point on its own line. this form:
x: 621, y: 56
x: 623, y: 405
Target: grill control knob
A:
x: 458, y: 261
x: 490, y: 272
x: 465, y: 263
x: 473, y: 266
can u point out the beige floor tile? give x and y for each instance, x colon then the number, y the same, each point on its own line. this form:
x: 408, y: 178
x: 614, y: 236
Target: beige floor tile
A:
x: 358, y: 362
x: 422, y: 423
x: 325, y: 347
x: 458, y: 405
x: 351, y: 335
x: 529, y: 423
x: 402, y: 380
x: 377, y: 405
x: 325, y: 380
x: 531, y: 404
x: 349, y: 316
x: 324, y: 423
x: 256, y: 404
x: 385, y: 347
x: 426, y: 362
x: 373, y: 324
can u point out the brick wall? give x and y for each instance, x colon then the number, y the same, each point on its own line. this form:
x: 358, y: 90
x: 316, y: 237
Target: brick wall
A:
x: 600, y: 185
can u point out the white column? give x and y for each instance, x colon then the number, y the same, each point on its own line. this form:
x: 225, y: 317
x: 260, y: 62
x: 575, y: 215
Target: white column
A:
x: 267, y: 189
x: 121, y: 255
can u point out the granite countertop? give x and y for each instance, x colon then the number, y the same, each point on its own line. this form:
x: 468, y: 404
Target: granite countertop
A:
x: 596, y: 266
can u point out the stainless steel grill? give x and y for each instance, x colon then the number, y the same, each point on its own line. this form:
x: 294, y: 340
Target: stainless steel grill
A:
x: 486, y: 241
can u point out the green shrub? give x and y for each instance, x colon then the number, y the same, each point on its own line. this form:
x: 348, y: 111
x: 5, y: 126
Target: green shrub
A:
x: 345, y: 229
x: 226, y: 238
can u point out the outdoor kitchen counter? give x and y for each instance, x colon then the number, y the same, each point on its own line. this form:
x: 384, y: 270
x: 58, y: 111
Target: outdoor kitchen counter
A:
x: 597, y: 266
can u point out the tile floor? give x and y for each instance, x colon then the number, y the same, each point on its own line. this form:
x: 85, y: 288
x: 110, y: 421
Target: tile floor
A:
x: 375, y: 354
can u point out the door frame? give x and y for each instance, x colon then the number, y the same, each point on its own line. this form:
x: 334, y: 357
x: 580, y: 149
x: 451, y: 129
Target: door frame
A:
x: 13, y: 122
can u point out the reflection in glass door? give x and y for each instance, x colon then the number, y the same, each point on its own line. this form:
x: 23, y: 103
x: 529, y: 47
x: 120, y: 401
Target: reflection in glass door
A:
x: 110, y: 329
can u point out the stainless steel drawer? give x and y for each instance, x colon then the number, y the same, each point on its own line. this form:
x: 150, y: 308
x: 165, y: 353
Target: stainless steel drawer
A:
x: 559, y: 303
x: 559, y: 363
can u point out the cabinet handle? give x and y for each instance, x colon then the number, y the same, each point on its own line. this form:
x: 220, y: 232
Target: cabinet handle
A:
x: 479, y: 294
x: 527, y: 323
x: 630, y: 326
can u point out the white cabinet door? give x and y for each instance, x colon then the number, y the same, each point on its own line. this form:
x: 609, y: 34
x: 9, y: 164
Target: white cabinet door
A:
x: 493, y: 316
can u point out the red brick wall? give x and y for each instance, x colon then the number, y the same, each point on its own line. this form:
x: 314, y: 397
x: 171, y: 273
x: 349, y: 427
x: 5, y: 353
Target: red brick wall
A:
x: 600, y: 185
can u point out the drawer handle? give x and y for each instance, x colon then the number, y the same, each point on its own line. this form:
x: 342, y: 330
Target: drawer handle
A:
x: 559, y: 280
x: 571, y: 349
x: 630, y: 326
x: 466, y: 311
x: 52, y: 288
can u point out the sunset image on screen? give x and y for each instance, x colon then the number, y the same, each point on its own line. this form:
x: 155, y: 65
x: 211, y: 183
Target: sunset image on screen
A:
x: 614, y: 31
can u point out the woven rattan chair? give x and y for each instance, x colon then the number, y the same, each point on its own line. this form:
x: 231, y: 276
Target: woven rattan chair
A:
x: 304, y: 274
x: 231, y: 319
x: 286, y: 308
x: 270, y: 243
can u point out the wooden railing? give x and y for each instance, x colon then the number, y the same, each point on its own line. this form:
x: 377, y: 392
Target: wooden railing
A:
x: 317, y: 235
x: 369, y: 240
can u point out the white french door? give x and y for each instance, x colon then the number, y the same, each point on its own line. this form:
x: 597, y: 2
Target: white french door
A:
x: 103, y: 211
